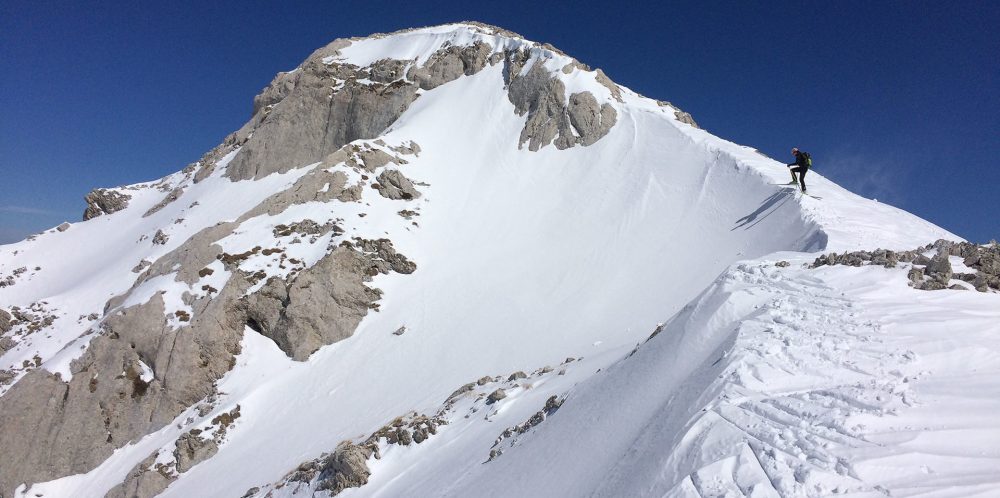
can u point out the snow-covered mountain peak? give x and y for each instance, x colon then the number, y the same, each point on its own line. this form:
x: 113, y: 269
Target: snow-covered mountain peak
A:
x: 401, y: 215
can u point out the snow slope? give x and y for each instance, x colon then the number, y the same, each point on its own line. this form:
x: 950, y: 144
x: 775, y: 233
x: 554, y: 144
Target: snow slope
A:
x: 783, y: 382
x: 527, y: 258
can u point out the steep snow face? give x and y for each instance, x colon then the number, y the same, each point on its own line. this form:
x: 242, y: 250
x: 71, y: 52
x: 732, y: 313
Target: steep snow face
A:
x: 523, y: 258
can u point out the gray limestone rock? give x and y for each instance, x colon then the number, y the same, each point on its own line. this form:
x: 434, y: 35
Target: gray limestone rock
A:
x: 53, y: 428
x: 6, y: 376
x: 63, y: 226
x: 346, y: 467
x: 685, y: 117
x: 323, y: 305
x: 374, y: 159
x: 191, y: 449
x: 393, y: 185
x: 382, y: 250
x: 495, y: 396
x: 939, y: 267
x: 171, y: 197
x: 387, y: 70
x: 102, y: 201
x: 930, y: 285
x: 541, y: 96
x: 160, y: 238
x: 989, y: 262
x: 4, y: 321
x: 450, y: 63
x: 6, y: 344
x: 311, y: 120
x: 915, y: 275
x: 590, y: 121
x: 279, y: 88
x: 146, y: 480
x: 965, y: 277
x: 603, y: 79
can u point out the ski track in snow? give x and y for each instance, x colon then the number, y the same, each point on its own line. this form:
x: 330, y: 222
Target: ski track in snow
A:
x: 772, y: 382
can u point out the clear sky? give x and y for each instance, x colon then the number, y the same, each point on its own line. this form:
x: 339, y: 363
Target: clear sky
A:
x: 895, y: 100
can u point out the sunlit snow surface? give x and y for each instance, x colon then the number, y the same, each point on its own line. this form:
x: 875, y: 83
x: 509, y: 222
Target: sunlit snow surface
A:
x: 767, y: 383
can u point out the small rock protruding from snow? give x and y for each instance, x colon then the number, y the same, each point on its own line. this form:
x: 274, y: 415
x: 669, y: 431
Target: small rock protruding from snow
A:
x: 495, y: 396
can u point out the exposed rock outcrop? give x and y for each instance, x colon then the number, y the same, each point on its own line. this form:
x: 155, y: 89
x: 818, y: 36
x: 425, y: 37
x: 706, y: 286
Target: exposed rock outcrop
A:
x: 192, y: 449
x: 299, y: 118
x: 160, y: 238
x: 6, y: 344
x: 56, y: 428
x: 449, y: 64
x: 932, y: 273
x: 551, y: 406
x: 685, y: 117
x: 345, y: 468
x: 394, y: 185
x: 145, y: 480
x: 325, y: 303
x: 541, y: 96
x: 306, y: 114
x: 171, y: 197
x: 102, y: 201
x: 495, y: 396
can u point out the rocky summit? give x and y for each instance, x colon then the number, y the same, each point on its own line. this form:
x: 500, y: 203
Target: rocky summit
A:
x: 450, y: 261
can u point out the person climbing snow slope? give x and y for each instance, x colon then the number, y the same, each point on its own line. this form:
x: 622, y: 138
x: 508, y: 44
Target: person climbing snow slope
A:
x: 800, y: 166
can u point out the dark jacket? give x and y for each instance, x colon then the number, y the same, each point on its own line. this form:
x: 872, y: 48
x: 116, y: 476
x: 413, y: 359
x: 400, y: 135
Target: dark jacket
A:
x: 800, y: 160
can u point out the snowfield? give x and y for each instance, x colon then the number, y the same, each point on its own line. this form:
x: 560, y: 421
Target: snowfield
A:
x: 760, y: 380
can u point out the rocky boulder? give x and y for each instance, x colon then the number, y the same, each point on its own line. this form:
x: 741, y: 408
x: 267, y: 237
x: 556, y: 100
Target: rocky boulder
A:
x: 939, y: 268
x: 102, y: 201
x: 346, y: 467
x: 393, y: 185
x: 145, y: 480
x: 326, y: 302
x: 191, y: 449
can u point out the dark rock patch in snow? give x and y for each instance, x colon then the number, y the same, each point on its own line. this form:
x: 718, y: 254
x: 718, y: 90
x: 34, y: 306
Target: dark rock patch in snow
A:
x: 541, y: 96
x: 171, y: 197
x: 102, y: 201
x: 936, y: 272
x: 394, y: 185
x: 551, y: 406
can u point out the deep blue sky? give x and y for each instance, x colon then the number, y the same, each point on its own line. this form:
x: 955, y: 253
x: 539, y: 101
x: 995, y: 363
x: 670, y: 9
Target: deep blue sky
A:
x: 897, y: 100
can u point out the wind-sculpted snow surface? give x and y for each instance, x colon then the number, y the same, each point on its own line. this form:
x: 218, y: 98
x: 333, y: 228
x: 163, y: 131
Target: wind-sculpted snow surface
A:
x: 403, y: 213
x: 781, y: 382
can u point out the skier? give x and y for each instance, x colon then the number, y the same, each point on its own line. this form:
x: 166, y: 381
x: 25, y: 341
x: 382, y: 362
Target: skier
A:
x: 801, y: 166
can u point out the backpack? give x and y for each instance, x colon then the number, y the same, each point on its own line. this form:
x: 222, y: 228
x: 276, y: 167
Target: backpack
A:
x: 809, y: 160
